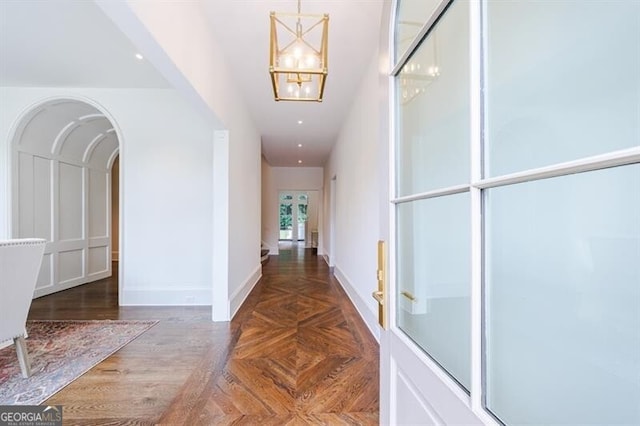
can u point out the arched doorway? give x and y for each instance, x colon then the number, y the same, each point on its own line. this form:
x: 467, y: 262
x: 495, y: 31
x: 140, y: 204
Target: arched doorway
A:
x: 62, y: 155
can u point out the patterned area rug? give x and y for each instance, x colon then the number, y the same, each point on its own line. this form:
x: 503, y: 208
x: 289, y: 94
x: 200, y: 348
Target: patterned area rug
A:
x: 60, y: 352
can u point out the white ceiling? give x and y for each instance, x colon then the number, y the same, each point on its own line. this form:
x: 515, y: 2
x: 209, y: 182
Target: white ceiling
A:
x: 243, y: 25
x: 67, y: 43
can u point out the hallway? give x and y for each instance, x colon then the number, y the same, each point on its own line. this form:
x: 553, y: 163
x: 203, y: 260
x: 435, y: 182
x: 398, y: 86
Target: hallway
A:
x: 297, y: 352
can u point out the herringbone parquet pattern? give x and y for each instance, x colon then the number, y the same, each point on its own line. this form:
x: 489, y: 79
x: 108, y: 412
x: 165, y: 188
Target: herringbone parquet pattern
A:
x: 296, y: 353
x: 302, y: 356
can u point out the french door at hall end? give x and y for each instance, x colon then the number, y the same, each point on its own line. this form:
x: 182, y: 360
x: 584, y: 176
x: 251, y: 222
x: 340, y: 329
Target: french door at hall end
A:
x: 515, y: 245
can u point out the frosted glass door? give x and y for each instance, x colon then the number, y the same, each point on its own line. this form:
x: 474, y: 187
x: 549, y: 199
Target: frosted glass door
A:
x: 516, y: 212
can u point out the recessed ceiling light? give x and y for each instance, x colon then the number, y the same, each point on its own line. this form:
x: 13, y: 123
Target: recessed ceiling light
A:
x: 299, y: 161
x: 139, y: 56
x: 299, y: 121
x: 299, y: 145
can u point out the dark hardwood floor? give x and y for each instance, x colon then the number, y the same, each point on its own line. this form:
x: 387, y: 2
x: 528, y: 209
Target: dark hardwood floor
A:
x: 296, y: 353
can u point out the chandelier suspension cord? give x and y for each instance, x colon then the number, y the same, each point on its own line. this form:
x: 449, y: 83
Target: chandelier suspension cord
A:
x: 298, y: 24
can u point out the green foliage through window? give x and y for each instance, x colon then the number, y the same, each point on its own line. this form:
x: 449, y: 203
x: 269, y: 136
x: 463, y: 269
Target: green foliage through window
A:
x: 285, y: 216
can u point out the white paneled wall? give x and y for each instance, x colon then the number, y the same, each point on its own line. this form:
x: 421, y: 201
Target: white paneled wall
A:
x: 62, y: 152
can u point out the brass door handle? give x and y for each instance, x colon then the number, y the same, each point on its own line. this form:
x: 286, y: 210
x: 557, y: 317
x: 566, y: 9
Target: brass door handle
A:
x: 381, y: 276
x: 408, y: 295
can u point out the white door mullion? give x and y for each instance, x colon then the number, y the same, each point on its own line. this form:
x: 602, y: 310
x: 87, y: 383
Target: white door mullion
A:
x: 476, y: 126
x: 477, y: 157
x: 390, y: 295
x: 451, y: 190
x: 596, y: 162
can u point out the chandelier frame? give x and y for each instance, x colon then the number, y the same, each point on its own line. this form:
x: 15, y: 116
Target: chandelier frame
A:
x: 282, y: 75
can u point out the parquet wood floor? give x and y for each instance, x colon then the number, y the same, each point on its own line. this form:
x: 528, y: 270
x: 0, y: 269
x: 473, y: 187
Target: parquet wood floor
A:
x: 296, y: 353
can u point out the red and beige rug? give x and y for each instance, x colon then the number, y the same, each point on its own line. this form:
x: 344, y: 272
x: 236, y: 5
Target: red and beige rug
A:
x: 60, y: 352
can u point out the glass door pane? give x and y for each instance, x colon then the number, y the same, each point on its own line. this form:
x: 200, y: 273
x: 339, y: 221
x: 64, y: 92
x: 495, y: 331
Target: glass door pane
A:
x: 433, y: 235
x: 562, y: 81
x: 286, y: 221
x: 563, y: 299
x: 432, y: 93
x: 412, y: 16
x: 302, y: 221
x: 433, y: 262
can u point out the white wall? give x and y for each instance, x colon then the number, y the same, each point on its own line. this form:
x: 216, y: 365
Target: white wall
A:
x: 355, y: 161
x: 280, y: 179
x: 166, y: 169
x: 269, y: 210
x: 192, y: 60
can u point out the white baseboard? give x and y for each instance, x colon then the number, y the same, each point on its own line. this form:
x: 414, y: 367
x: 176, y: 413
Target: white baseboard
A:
x: 367, y: 316
x: 65, y: 285
x: 272, y: 250
x: 238, y: 297
x: 166, y: 297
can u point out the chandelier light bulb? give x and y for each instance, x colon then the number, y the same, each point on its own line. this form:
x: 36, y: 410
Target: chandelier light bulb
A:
x: 311, y: 61
x: 288, y: 61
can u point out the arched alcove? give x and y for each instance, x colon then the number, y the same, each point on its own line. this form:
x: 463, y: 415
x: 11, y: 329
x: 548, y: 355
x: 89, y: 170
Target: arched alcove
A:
x: 62, y: 154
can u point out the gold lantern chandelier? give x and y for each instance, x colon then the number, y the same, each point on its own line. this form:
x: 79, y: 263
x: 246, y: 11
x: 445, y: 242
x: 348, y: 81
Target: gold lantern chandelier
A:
x: 298, y: 56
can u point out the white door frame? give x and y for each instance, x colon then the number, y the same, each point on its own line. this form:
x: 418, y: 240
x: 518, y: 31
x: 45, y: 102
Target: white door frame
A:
x: 410, y: 380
